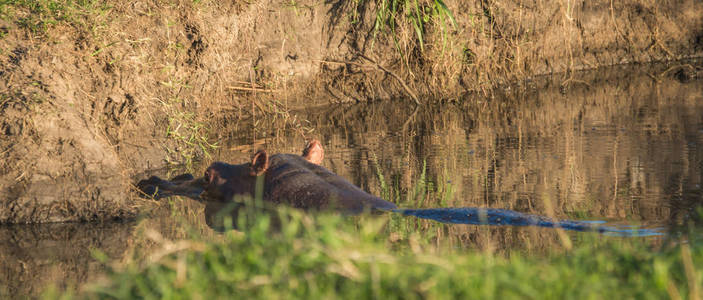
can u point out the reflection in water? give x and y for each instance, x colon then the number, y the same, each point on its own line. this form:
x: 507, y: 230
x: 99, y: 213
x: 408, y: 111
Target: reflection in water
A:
x: 224, y: 216
x: 504, y: 217
x: 621, y: 145
x: 34, y: 256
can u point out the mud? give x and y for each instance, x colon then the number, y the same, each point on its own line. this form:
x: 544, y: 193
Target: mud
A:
x: 113, y: 88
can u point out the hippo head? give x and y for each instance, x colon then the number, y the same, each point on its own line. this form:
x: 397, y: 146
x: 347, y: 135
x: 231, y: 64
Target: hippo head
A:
x: 224, y: 181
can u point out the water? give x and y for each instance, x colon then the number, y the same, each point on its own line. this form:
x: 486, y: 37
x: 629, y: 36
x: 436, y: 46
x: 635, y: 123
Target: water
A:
x: 621, y: 148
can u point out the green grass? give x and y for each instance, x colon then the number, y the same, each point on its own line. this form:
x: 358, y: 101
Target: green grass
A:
x: 38, y: 15
x: 294, y: 255
x: 191, y: 135
x: 418, y: 14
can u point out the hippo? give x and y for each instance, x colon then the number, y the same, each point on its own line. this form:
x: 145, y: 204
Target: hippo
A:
x: 301, y: 182
x: 295, y: 180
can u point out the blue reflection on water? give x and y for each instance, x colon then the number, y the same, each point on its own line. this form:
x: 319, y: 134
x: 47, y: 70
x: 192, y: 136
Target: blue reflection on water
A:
x: 494, y: 216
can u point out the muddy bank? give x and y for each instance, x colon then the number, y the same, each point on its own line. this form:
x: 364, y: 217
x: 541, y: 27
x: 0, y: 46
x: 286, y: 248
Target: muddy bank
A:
x: 93, y: 93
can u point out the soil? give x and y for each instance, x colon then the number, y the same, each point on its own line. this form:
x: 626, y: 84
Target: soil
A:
x: 115, y: 88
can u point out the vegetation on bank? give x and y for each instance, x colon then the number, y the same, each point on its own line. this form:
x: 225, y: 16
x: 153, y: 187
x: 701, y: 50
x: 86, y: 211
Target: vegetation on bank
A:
x: 416, y: 13
x: 294, y: 255
x: 37, y: 15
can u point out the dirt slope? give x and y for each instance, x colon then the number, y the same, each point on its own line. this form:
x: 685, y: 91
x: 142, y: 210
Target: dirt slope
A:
x: 93, y: 93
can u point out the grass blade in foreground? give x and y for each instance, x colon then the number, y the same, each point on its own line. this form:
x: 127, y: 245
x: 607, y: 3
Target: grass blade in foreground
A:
x: 325, y: 256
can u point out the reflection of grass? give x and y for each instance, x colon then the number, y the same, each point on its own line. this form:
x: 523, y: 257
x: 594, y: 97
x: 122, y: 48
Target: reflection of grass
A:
x: 406, y: 229
x: 578, y: 214
x: 425, y: 192
x: 325, y: 256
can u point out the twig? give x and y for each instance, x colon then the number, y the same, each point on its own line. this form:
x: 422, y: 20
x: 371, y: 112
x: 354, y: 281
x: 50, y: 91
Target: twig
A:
x: 347, y: 63
x: 246, y: 82
x: 615, y: 24
x: 7, y: 150
x: 343, y: 98
x: 244, y: 148
x: 571, y: 79
x: 86, y: 93
x: 259, y: 106
x: 659, y: 43
x: 405, y: 86
x: 411, y: 118
x: 377, y: 66
x: 654, y: 78
x: 677, y: 67
x: 333, y: 62
x: 134, y: 145
x: 252, y: 79
x: 241, y: 88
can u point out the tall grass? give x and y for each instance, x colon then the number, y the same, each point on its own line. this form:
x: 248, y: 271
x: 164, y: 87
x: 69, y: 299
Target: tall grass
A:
x: 191, y: 136
x: 417, y: 13
x: 291, y: 255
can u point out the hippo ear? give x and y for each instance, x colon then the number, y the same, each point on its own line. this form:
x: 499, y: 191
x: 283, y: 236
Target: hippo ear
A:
x: 313, y: 152
x: 259, y: 163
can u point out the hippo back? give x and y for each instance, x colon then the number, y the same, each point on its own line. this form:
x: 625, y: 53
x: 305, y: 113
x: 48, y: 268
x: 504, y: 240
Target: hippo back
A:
x: 293, y: 180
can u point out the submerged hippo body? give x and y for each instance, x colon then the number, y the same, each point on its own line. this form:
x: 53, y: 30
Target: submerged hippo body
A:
x: 298, y: 181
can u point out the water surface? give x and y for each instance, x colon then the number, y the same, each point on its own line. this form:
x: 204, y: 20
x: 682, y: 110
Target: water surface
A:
x: 622, y: 147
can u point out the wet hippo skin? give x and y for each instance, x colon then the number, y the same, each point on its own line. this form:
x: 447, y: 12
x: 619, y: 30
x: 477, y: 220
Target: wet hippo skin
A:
x: 295, y: 180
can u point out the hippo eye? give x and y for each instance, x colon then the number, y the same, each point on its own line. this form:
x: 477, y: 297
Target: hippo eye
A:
x: 207, y: 176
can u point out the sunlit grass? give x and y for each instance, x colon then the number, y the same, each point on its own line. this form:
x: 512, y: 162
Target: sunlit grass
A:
x: 417, y: 14
x: 289, y: 254
x: 38, y: 15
